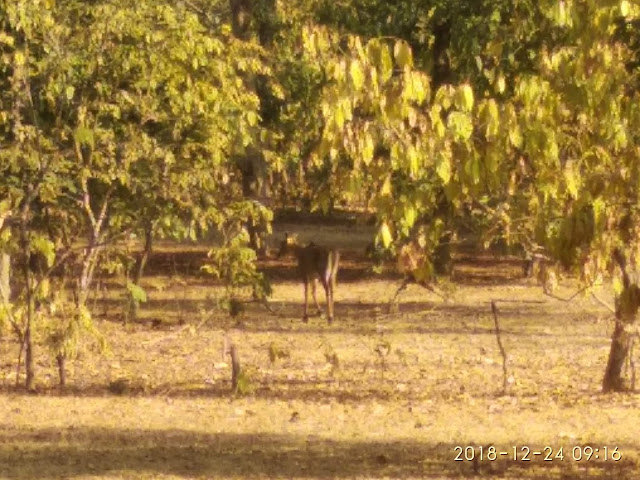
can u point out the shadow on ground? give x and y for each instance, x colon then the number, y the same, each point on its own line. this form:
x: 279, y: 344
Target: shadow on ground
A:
x: 80, y: 451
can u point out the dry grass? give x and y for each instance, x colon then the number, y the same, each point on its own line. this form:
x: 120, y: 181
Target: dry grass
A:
x: 368, y: 416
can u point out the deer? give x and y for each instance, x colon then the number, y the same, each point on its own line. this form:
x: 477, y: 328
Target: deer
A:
x: 314, y: 262
x: 411, y: 262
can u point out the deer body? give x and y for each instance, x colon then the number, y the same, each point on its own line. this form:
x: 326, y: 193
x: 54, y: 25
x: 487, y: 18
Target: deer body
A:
x: 411, y: 260
x: 314, y: 262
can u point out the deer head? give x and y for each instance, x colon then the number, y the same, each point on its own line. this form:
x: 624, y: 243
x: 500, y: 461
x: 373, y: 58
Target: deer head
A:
x: 286, y: 245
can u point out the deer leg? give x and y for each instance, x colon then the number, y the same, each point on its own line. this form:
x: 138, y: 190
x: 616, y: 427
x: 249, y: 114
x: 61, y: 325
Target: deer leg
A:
x: 314, y: 286
x: 305, y: 317
x: 332, y: 272
x: 328, y: 292
x: 402, y: 287
x: 330, y: 302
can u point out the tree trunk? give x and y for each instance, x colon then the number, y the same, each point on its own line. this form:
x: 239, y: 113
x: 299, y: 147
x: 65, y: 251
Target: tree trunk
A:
x: 139, y: 267
x: 62, y: 373
x: 5, y: 276
x: 244, y: 21
x: 442, y: 260
x: 29, y: 363
x: 620, y: 346
x: 622, y: 340
x: 141, y: 261
x: 240, y: 18
x: 235, y: 367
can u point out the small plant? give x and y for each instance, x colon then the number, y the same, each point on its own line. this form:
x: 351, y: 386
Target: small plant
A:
x: 382, y: 350
x: 235, y: 264
x: 135, y: 296
x: 402, y: 356
x: 67, y: 327
x: 120, y: 386
x: 277, y: 352
x: 236, y: 307
x: 331, y: 357
x: 241, y: 383
x: 244, y: 383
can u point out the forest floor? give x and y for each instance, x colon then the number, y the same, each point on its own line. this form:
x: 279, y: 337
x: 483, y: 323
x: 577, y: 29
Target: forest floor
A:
x: 401, y: 393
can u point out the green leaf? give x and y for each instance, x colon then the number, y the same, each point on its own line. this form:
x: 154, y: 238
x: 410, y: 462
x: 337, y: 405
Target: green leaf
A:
x: 69, y: 91
x: 472, y: 168
x: 461, y: 125
x: 44, y: 246
x: 84, y: 136
x: 464, y: 98
x: 490, y: 111
x: 137, y: 292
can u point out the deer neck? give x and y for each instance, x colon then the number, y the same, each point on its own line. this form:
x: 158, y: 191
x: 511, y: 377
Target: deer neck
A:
x: 297, y: 250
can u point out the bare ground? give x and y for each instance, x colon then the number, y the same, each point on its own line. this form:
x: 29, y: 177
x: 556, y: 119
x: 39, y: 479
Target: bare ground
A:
x: 379, y: 394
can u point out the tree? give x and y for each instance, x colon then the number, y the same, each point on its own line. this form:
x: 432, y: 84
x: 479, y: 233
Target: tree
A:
x: 120, y: 117
x: 534, y: 150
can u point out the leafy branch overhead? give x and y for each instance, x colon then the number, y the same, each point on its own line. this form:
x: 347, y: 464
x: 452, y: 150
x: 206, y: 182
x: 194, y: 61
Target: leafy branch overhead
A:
x: 539, y: 155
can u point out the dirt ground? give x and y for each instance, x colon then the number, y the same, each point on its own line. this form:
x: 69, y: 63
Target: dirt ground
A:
x: 382, y: 393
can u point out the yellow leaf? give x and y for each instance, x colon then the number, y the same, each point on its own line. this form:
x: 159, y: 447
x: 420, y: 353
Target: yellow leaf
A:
x: 570, y: 179
x: 402, y: 53
x: 464, y: 97
x: 420, y: 86
x: 386, y: 64
x: 443, y: 96
x: 460, y: 125
x: 443, y: 169
x: 624, y: 8
x: 6, y: 39
x: 367, y: 149
x: 386, y: 187
x: 385, y: 235
x: 515, y: 136
x: 19, y: 57
x: 617, y: 285
x: 413, y: 160
x: 501, y: 84
x: 357, y: 76
x: 410, y: 215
